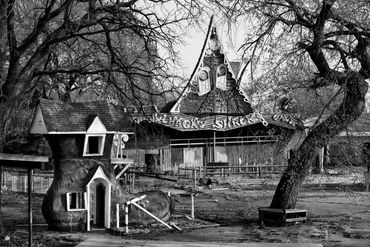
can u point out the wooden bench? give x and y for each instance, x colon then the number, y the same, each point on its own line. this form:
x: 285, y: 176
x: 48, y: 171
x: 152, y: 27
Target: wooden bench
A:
x: 281, y: 216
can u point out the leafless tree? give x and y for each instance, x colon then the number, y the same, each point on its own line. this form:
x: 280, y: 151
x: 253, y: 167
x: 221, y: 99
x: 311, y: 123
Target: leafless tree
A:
x: 331, y: 40
x: 122, y: 48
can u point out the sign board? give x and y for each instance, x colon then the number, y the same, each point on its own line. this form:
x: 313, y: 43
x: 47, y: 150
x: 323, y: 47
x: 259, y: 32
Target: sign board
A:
x: 184, y: 122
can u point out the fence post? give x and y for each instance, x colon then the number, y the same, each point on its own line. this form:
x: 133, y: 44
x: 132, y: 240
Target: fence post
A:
x: 126, y: 217
x: 192, y: 207
x: 259, y: 171
x: 194, y: 177
x: 117, y: 216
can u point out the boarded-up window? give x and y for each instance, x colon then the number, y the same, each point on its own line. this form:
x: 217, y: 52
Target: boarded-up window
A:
x: 193, y: 157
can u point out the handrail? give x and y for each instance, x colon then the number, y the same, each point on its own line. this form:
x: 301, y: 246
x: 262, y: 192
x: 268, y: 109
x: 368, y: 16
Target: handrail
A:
x: 134, y: 202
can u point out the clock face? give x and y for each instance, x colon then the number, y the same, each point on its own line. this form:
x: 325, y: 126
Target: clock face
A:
x: 203, y: 75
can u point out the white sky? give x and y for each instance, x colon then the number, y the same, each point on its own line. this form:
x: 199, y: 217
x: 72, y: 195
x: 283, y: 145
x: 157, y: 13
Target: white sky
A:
x: 190, y: 53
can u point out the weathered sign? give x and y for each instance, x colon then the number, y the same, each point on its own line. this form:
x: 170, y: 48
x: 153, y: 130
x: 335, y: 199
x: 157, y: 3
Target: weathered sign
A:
x: 188, y: 123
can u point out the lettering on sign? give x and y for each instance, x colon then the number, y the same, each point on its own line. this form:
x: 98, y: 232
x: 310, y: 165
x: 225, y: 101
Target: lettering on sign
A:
x: 194, y: 123
x: 285, y: 118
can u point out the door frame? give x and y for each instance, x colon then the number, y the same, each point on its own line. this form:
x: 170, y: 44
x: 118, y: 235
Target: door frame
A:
x: 99, y: 177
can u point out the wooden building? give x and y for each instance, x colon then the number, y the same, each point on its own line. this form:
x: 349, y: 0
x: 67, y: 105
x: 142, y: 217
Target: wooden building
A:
x: 211, y: 122
x: 350, y: 146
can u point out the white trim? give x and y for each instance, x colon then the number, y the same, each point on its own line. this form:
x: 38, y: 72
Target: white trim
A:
x: 69, y: 209
x: 121, y: 161
x: 84, y: 132
x: 100, y: 174
x: 97, y: 126
x: 221, y: 80
x: 101, y: 143
x: 204, y: 86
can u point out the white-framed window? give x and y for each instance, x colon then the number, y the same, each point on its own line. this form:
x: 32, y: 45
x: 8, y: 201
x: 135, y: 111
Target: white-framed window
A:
x: 94, y: 144
x: 76, y: 201
x: 221, y: 77
x: 204, y: 81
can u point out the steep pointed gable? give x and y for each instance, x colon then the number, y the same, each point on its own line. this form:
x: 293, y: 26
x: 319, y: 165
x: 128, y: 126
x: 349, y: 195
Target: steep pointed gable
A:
x: 38, y: 124
x: 213, y: 87
x: 96, y: 126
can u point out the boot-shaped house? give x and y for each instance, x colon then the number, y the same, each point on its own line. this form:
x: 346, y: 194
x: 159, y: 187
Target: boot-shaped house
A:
x: 85, y: 188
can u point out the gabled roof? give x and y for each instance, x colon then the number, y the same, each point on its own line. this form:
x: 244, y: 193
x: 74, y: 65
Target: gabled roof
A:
x: 228, y: 99
x: 215, y: 102
x: 62, y: 117
x: 94, y: 173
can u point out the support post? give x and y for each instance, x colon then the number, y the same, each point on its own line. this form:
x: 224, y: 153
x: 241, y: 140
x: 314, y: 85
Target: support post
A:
x: 117, y: 216
x: 194, y: 177
x: 192, y: 207
x: 214, y: 146
x: 321, y: 160
x: 126, y: 217
x: 29, y: 207
x: 152, y: 215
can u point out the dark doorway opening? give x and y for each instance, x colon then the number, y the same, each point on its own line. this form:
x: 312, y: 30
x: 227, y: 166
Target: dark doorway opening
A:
x: 152, y: 162
x: 100, y: 205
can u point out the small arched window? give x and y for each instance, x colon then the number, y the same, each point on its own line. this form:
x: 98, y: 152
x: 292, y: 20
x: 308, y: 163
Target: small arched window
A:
x: 221, y: 77
x: 204, y: 81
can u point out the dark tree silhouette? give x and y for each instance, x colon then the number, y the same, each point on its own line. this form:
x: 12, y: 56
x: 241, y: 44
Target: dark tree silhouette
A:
x: 332, y: 39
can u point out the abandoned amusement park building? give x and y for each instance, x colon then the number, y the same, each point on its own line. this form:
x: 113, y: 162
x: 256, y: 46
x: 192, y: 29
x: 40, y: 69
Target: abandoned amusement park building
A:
x: 211, y: 123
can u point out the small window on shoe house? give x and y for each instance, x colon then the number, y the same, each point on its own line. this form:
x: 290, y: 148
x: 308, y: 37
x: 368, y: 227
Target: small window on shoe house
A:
x: 94, y: 142
x: 76, y: 201
x: 94, y: 145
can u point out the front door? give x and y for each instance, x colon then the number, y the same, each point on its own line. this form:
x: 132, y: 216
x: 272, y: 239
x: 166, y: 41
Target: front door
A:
x: 100, y: 204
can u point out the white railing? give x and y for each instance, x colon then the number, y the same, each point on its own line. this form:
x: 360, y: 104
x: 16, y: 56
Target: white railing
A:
x: 134, y: 202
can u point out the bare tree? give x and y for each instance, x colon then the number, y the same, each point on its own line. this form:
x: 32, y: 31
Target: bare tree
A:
x: 331, y: 39
x: 123, y: 46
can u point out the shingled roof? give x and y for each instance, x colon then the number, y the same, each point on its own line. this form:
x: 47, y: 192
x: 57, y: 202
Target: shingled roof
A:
x: 215, y: 102
x: 75, y: 117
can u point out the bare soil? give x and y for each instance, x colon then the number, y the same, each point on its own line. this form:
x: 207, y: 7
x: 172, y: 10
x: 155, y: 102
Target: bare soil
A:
x: 338, y: 214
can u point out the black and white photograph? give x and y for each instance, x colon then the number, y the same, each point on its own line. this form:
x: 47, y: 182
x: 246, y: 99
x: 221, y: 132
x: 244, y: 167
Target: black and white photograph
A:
x: 190, y: 123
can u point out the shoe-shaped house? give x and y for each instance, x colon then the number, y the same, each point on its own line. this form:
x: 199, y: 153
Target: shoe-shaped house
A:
x: 84, y: 191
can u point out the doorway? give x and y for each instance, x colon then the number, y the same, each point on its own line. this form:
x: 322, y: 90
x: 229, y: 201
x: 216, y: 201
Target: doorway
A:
x: 100, y: 204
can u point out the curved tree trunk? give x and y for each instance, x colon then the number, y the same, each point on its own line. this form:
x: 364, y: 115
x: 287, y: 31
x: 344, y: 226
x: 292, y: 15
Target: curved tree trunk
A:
x: 355, y: 88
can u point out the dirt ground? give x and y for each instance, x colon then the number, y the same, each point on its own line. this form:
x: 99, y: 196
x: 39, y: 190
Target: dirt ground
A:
x: 338, y: 214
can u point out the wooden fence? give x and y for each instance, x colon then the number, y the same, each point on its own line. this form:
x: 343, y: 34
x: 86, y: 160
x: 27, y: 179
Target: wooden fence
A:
x: 17, y: 181
x: 258, y: 170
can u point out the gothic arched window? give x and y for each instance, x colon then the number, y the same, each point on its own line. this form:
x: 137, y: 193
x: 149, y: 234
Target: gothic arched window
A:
x: 204, y: 81
x: 221, y: 77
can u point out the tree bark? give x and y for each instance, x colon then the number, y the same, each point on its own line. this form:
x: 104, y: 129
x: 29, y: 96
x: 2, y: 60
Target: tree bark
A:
x: 355, y: 88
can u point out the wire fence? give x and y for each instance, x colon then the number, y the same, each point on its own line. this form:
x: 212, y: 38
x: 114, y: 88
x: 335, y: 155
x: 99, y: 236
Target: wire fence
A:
x: 18, y: 181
